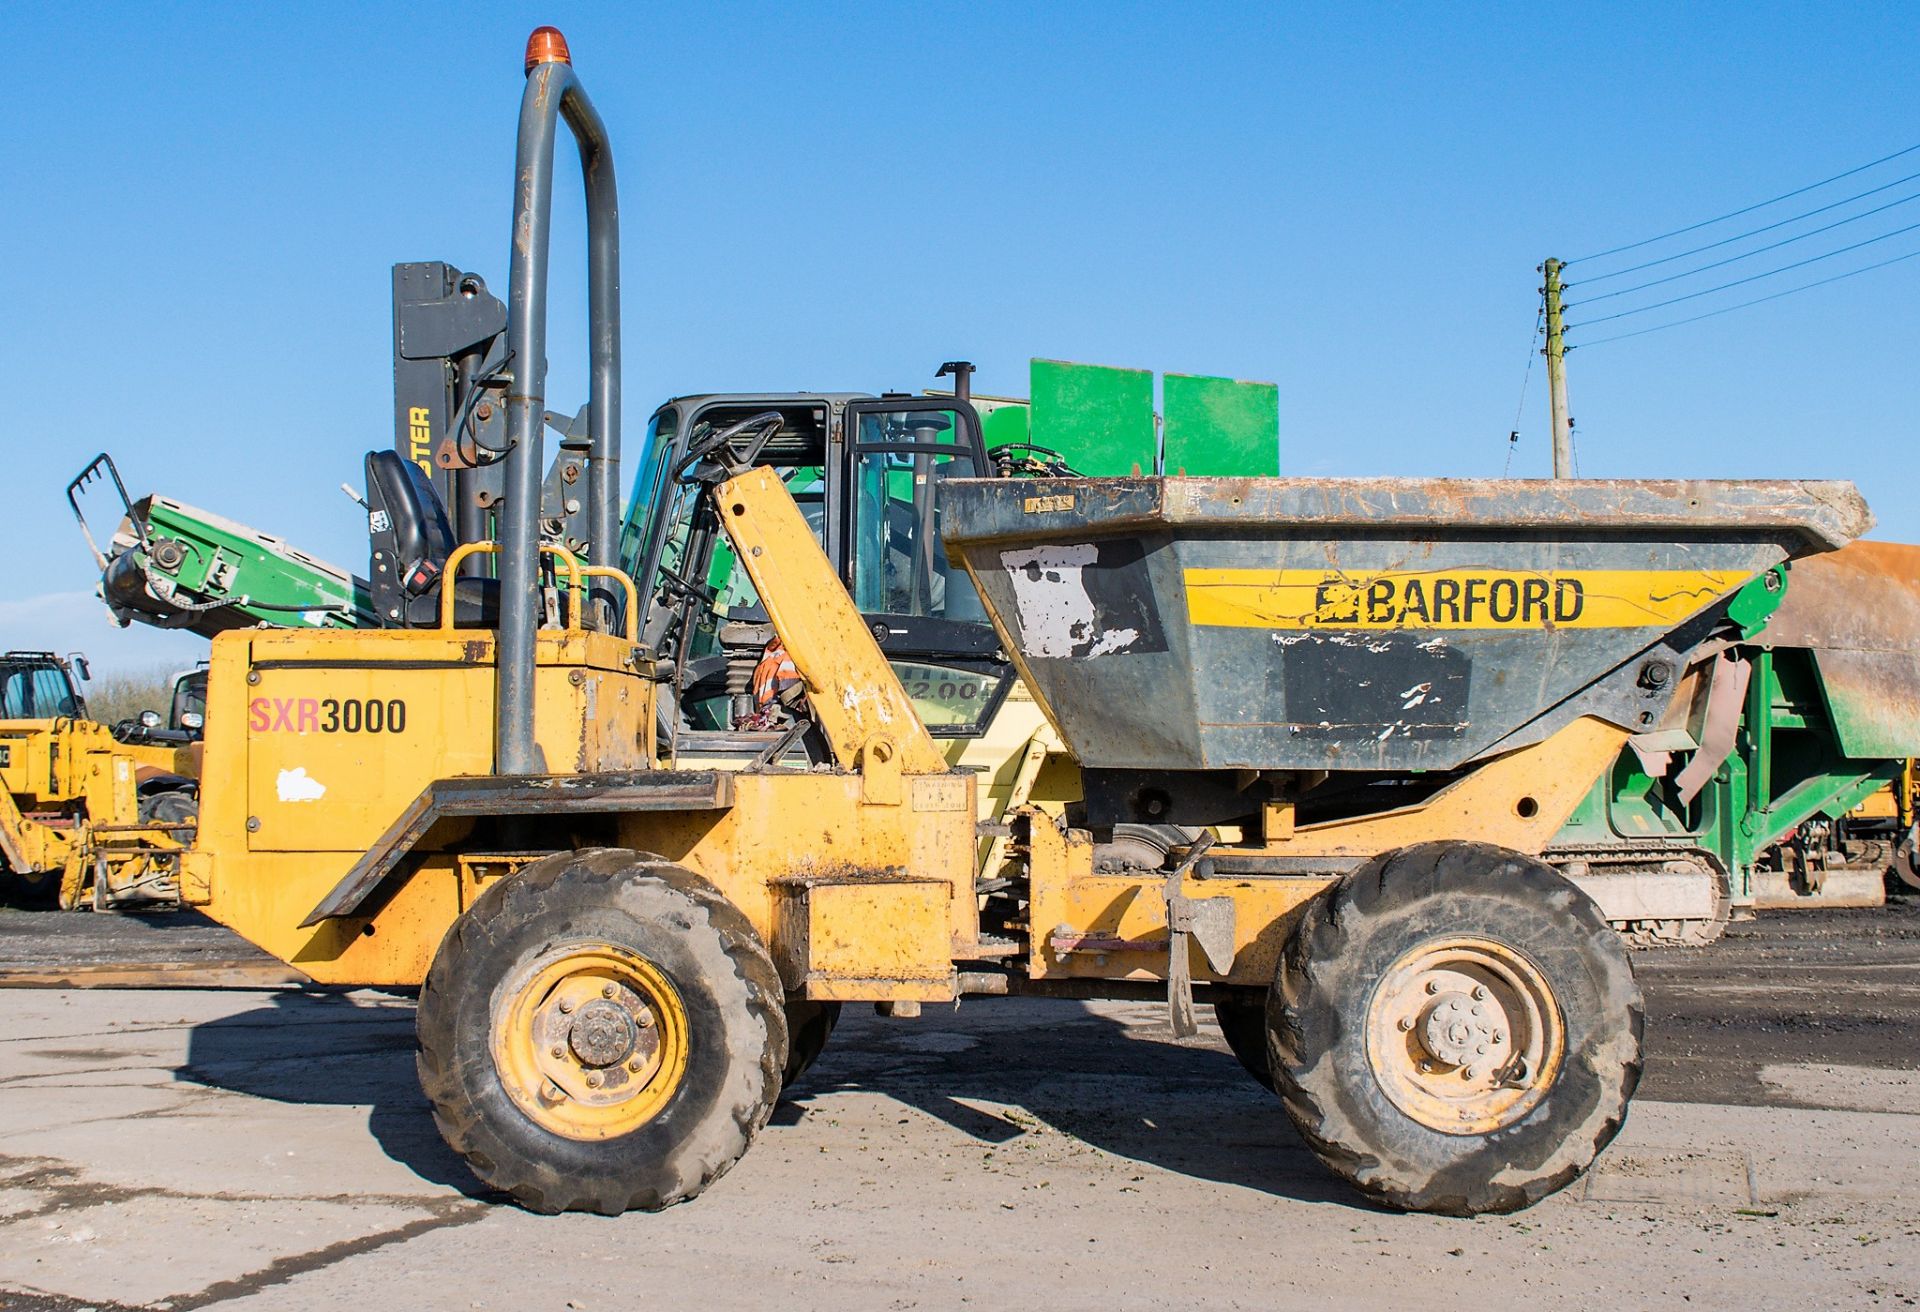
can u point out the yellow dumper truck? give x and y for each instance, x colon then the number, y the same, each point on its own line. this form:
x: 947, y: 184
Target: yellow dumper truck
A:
x: 1325, y: 729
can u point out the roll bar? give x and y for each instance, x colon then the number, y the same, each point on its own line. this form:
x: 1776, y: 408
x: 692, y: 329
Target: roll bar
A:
x: 553, y: 92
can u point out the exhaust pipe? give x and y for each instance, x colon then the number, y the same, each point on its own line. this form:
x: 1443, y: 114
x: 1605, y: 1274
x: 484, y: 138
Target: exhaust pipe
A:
x: 553, y: 92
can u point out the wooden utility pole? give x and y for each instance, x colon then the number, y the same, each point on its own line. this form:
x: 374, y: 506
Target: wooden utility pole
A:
x: 1557, y: 374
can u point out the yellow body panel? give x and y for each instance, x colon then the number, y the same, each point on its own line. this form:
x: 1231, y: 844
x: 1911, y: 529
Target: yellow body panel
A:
x: 880, y: 940
x: 795, y: 847
x: 335, y: 731
x: 263, y: 896
x: 296, y: 795
x: 1089, y: 925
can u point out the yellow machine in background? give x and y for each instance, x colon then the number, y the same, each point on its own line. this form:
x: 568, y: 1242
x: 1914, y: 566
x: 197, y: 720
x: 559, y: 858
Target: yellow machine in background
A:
x: 85, y: 817
x: 1897, y: 808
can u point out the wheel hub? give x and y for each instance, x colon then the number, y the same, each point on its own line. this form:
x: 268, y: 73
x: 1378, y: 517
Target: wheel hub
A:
x: 1464, y: 1035
x: 590, y: 1041
x: 603, y: 1033
x: 1459, y: 1031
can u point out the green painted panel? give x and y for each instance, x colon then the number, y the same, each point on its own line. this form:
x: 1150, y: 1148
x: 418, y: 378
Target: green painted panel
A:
x: 1099, y: 418
x: 1220, y: 428
x: 254, y: 574
x: 1002, y: 424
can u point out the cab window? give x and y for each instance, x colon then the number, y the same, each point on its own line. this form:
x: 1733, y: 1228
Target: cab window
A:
x: 899, y: 567
x: 37, y: 693
x: 649, y: 489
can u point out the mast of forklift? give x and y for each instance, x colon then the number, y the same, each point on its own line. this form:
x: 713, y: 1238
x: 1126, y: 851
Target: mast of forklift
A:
x: 552, y: 92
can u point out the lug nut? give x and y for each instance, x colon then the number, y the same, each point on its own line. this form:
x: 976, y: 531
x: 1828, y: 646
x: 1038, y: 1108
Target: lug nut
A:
x: 557, y: 1050
x: 1405, y: 1023
x: 644, y: 1019
x: 1433, y: 986
x: 1471, y: 1072
x: 633, y: 1068
x: 1479, y: 993
x: 593, y: 1079
x: 606, y: 990
x: 566, y: 1006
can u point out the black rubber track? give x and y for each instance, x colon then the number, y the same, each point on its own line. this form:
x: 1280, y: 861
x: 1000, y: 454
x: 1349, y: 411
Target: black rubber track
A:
x: 808, y: 1026
x: 714, y: 960
x: 1351, y: 935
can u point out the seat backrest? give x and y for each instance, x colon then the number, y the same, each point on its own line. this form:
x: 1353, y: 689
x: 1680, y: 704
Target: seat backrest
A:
x: 408, y: 534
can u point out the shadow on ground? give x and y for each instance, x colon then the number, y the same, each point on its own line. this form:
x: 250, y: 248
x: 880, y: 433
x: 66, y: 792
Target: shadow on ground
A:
x: 336, y: 1050
x: 1115, y: 1080
x: 1125, y: 1090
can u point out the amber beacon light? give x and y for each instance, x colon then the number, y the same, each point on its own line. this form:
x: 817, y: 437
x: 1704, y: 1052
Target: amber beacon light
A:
x: 546, y: 46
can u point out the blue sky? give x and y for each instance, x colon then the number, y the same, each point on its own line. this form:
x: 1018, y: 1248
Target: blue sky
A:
x: 1350, y: 201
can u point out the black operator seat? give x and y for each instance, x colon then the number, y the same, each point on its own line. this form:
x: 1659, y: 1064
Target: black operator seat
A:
x: 410, y: 541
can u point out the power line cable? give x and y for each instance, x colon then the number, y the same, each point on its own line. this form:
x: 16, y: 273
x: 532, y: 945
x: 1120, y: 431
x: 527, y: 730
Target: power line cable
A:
x: 1751, y: 232
x: 1741, y: 282
x: 1759, y: 300
x: 1747, y: 255
x: 1734, y: 214
x: 1526, y: 375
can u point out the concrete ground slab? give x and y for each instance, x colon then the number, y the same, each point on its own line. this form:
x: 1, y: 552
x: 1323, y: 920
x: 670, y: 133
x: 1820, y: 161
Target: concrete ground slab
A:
x: 272, y: 1150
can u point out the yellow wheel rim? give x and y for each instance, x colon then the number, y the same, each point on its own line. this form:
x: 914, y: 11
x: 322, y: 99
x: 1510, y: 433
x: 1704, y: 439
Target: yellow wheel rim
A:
x: 1464, y: 1035
x: 590, y: 1040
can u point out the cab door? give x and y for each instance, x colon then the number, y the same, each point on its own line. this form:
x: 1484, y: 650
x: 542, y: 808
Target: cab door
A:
x: 921, y: 605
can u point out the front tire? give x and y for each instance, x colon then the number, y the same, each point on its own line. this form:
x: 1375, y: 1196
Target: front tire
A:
x: 1455, y: 1029
x: 602, y: 1031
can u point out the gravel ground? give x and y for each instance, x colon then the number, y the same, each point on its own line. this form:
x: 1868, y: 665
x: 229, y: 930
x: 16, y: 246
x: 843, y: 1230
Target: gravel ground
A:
x: 270, y: 1149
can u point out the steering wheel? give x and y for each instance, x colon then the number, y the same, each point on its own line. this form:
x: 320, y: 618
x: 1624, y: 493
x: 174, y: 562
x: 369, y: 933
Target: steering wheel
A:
x: 676, y: 586
x: 763, y: 426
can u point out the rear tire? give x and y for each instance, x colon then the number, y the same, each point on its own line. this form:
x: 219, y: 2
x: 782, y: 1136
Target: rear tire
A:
x: 1455, y: 1029
x: 533, y: 993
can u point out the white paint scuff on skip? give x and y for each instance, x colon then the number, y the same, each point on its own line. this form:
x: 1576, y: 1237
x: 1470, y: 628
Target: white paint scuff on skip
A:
x: 1057, y: 617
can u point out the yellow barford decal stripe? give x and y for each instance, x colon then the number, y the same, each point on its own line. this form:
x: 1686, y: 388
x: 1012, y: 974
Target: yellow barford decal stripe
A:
x: 1452, y: 598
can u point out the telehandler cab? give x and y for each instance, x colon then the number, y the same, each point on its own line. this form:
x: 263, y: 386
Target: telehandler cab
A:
x: 1324, y: 727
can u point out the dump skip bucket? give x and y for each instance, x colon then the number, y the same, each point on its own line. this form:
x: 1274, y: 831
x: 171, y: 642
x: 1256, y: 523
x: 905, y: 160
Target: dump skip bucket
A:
x: 1362, y: 624
x: 1858, y: 610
